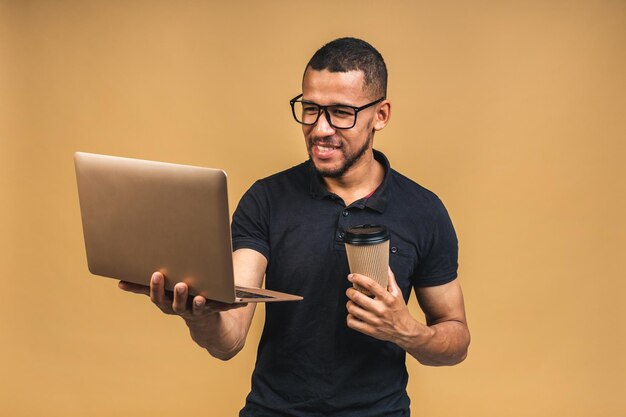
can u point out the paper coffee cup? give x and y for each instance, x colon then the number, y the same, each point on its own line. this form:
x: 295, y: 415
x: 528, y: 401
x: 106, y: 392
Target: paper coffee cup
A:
x: 367, y: 247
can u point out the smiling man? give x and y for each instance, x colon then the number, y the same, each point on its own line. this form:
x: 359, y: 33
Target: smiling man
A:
x: 338, y: 352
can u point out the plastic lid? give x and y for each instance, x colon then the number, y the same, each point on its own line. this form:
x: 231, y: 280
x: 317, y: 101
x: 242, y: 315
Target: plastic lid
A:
x: 366, y: 234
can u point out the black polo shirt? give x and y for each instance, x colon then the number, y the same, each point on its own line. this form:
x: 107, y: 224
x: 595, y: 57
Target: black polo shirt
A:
x: 309, y: 363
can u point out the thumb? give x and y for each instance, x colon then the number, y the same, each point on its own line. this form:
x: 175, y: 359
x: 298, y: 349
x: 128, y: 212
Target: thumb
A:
x: 392, y: 285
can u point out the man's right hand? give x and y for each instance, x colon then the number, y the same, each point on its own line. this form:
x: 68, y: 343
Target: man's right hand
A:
x: 218, y: 327
x: 178, y: 303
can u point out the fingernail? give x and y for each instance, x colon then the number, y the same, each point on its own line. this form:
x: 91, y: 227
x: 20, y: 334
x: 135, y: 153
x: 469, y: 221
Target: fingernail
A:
x: 180, y: 289
x: 156, y: 278
x: 350, y: 277
x: 198, y: 303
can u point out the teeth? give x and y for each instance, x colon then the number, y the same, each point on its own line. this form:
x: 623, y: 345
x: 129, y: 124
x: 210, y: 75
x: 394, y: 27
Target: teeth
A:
x: 324, y: 148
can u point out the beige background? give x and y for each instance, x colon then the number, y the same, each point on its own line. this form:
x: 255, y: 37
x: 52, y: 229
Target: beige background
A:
x: 513, y: 112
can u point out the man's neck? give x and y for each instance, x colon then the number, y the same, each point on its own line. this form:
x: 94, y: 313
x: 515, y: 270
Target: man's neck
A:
x: 360, y: 180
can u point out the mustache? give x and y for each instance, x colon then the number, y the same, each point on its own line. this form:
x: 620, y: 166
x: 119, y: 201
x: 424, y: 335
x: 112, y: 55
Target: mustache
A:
x: 325, y: 142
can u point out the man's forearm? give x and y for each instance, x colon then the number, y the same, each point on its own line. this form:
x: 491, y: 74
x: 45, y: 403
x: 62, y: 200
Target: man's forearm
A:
x: 440, y: 344
x: 219, y: 334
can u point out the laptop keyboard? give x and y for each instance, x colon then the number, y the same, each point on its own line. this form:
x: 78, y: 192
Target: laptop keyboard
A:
x: 246, y: 294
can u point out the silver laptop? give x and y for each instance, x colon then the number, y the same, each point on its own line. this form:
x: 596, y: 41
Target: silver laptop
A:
x: 145, y: 216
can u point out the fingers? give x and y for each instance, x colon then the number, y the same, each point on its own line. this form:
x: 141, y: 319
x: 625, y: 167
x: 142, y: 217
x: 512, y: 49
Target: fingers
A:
x: 199, y: 305
x: 381, y: 317
x: 357, y: 297
x: 369, y: 284
x: 178, y: 301
x: 181, y: 293
x: 182, y: 305
x: 157, y: 288
x: 361, y: 314
x: 176, y: 304
x: 359, y: 325
x: 370, y: 310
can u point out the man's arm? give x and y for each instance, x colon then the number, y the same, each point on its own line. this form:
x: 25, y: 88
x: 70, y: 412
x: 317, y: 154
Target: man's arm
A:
x: 443, y: 340
x: 219, y: 328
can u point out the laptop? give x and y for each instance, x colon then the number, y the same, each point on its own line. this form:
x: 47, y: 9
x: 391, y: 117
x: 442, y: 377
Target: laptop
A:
x: 143, y: 216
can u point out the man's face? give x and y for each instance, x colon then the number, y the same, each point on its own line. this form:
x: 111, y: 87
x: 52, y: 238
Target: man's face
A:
x: 335, y: 151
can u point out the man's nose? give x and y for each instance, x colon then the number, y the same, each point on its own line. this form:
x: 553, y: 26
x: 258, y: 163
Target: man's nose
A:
x: 322, y: 126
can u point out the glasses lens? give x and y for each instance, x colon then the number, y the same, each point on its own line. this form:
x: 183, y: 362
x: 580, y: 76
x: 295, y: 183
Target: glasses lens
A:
x: 305, y: 113
x: 341, y: 117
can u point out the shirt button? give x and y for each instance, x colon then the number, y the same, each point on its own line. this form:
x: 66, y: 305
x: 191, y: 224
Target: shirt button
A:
x: 340, y: 235
x: 345, y: 213
x: 394, y: 249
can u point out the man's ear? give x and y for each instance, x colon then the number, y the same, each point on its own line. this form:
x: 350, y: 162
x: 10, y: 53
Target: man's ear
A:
x: 383, y: 114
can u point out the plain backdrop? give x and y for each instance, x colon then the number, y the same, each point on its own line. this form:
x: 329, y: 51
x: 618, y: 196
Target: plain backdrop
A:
x: 513, y: 112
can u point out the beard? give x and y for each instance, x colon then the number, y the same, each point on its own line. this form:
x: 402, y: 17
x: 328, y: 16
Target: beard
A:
x: 348, y: 159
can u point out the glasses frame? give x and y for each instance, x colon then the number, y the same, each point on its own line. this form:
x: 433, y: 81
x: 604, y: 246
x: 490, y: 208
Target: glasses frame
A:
x: 324, y: 108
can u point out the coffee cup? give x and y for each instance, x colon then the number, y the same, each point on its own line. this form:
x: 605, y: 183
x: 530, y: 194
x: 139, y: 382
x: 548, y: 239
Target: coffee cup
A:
x: 367, y: 247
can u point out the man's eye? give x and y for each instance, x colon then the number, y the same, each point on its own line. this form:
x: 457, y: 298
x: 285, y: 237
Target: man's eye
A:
x: 342, y: 111
x: 310, y: 109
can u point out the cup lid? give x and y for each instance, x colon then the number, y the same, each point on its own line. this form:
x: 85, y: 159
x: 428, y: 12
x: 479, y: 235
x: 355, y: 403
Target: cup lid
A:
x: 366, y: 234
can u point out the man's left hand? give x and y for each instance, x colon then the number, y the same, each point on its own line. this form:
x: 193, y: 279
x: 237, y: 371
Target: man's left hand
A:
x: 386, y: 316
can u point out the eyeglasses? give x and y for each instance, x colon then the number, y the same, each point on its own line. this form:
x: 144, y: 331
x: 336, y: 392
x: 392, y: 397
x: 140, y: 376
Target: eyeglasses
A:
x: 339, y: 116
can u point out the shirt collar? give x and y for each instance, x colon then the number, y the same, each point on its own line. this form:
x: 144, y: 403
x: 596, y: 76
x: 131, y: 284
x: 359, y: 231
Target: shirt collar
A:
x: 377, y: 201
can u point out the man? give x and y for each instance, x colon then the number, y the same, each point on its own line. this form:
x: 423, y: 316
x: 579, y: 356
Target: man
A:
x: 337, y: 352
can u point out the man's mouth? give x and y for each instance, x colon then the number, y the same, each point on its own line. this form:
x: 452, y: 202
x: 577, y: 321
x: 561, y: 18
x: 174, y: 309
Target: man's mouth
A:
x: 323, y: 148
x: 325, y: 145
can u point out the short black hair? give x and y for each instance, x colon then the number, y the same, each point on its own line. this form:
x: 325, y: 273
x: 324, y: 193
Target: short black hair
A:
x: 352, y: 54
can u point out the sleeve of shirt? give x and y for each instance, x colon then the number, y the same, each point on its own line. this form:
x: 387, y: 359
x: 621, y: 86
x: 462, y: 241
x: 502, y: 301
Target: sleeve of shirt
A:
x: 439, y: 264
x: 250, y: 225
